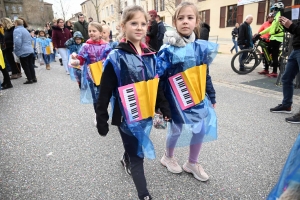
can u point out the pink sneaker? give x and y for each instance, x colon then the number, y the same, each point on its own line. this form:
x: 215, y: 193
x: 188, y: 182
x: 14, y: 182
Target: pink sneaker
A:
x: 171, y: 164
x: 197, y: 170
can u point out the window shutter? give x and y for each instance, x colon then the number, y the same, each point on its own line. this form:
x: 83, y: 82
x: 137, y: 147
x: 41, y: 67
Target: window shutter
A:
x: 207, y: 17
x: 297, y: 2
x: 222, y: 16
x: 287, y: 3
x: 261, y: 12
x: 240, y: 14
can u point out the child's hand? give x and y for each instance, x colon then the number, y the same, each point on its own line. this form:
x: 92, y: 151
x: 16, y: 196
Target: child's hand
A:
x: 214, y: 105
x: 173, y: 38
x: 74, y: 55
x: 74, y: 62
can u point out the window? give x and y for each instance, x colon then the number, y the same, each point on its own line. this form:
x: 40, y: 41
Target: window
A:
x: 222, y: 16
x: 134, y: 2
x: 112, y: 9
x: 102, y: 13
x: 13, y: 8
x: 162, y: 5
x: 155, y: 4
x: 6, y: 8
x: 20, y: 8
x: 107, y: 13
x: 297, y: 2
x: 125, y: 4
x: 261, y: 12
x: 231, y: 15
x: 113, y: 26
x: 1, y: 13
x: 42, y: 9
x: 205, y: 16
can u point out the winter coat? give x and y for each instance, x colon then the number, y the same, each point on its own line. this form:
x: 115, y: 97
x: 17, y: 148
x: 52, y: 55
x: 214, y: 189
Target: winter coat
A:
x: 244, y: 37
x: 204, y: 33
x: 235, y: 33
x: 9, y: 37
x: 295, y: 30
x: 71, y: 45
x: 264, y: 26
x: 276, y: 30
x: 60, y: 36
x: 22, y: 42
x: 83, y: 28
x: 161, y: 31
x: 152, y: 34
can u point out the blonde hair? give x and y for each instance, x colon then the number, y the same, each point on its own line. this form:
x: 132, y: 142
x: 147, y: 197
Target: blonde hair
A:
x: 198, y: 19
x: 105, y: 26
x: 19, y: 22
x: 97, y: 25
x: 7, y: 23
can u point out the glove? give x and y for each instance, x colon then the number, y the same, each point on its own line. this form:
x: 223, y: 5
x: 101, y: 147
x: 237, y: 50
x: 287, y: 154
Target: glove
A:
x: 173, y: 38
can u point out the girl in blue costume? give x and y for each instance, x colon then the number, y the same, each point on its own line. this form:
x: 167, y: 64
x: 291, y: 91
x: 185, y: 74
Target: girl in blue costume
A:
x: 44, y: 49
x: 130, y: 65
x: 94, y: 50
x: 73, y: 45
x: 195, y: 121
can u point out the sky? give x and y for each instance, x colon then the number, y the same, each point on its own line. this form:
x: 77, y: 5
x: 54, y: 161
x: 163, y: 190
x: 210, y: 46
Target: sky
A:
x: 70, y: 6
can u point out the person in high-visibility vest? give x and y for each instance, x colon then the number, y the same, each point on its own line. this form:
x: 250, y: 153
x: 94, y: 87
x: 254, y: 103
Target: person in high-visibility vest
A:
x: 276, y: 32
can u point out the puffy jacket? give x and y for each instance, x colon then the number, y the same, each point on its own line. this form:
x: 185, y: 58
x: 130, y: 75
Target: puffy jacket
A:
x: 60, y: 36
x: 265, y: 25
x: 22, y: 42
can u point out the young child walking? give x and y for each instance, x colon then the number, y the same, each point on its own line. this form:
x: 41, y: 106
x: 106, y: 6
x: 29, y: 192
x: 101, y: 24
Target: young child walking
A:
x: 105, y: 36
x: 44, y: 49
x: 73, y: 45
x: 130, y: 75
x: 94, y: 51
x: 182, y: 67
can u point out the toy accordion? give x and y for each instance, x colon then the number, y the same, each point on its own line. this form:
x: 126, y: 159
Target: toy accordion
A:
x: 189, y: 86
x: 138, y: 99
x: 96, y: 70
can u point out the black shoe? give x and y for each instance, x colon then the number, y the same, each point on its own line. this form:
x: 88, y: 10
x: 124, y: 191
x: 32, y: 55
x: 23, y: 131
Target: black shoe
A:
x: 147, y: 198
x: 281, y: 109
x: 294, y: 119
x: 34, y: 80
x: 126, y: 164
x: 60, y: 60
x: 6, y: 86
x: 242, y: 69
x: 28, y: 82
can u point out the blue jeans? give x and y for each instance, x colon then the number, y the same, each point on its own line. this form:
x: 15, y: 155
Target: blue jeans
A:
x: 234, y: 46
x: 46, y: 59
x: 243, y: 57
x: 291, y: 70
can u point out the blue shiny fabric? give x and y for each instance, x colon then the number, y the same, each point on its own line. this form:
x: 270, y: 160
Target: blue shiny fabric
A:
x: 129, y: 69
x: 185, y: 123
x: 91, y: 53
x: 290, y: 174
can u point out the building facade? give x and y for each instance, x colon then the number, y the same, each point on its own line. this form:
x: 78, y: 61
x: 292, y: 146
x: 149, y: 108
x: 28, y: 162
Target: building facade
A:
x: 220, y: 15
x: 35, y: 12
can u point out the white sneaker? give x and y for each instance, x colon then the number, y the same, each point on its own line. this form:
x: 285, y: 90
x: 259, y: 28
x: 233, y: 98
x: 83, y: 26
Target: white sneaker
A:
x: 67, y: 73
x: 95, y: 122
x: 171, y: 164
x: 197, y: 170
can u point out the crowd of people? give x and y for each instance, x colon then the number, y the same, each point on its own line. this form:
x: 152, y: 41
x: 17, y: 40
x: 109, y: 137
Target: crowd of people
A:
x: 124, y: 70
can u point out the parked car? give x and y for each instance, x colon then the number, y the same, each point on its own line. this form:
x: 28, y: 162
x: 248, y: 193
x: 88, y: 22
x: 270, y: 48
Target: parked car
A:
x: 168, y: 27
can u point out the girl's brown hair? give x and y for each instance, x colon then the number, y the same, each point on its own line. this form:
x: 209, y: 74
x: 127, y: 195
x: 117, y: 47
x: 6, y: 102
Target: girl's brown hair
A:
x: 7, y: 23
x: 129, y: 13
x: 57, y: 21
x: 97, y: 25
x: 198, y: 19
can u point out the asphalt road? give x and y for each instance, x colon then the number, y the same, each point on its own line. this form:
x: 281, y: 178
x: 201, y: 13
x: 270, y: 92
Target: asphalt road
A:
x: 50, y: 149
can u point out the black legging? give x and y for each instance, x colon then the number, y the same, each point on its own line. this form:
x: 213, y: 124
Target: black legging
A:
x: 273, y: 49
x: 136, y: 164
x: 15, y: 69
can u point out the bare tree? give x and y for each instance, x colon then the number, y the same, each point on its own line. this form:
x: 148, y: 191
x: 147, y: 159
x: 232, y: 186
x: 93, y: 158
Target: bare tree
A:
x: 170, y: 6
x: 96, y: 6
x: 63, y: 7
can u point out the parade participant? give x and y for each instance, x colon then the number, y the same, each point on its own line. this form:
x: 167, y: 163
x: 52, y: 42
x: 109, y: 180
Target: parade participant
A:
x: 60, y: 34
x: 182, y: 68
x: 94, y: 51
x: 106, y: 38
x: 44, y: 49
x: 74, y: 45
x: 129, y: 74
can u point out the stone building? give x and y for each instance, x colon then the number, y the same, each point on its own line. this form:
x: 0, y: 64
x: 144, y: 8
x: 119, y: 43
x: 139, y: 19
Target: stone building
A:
x: 36, y: 12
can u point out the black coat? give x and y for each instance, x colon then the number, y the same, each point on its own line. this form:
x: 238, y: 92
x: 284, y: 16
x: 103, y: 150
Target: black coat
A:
x: 243, y: 36
x: 9, y: 37
x: 295, y: 30
x: 152, y: 33
x: 204, y: 32
x: 235, y: 33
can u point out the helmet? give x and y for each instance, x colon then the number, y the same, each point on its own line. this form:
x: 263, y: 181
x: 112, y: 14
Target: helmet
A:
x: 278, y: 6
